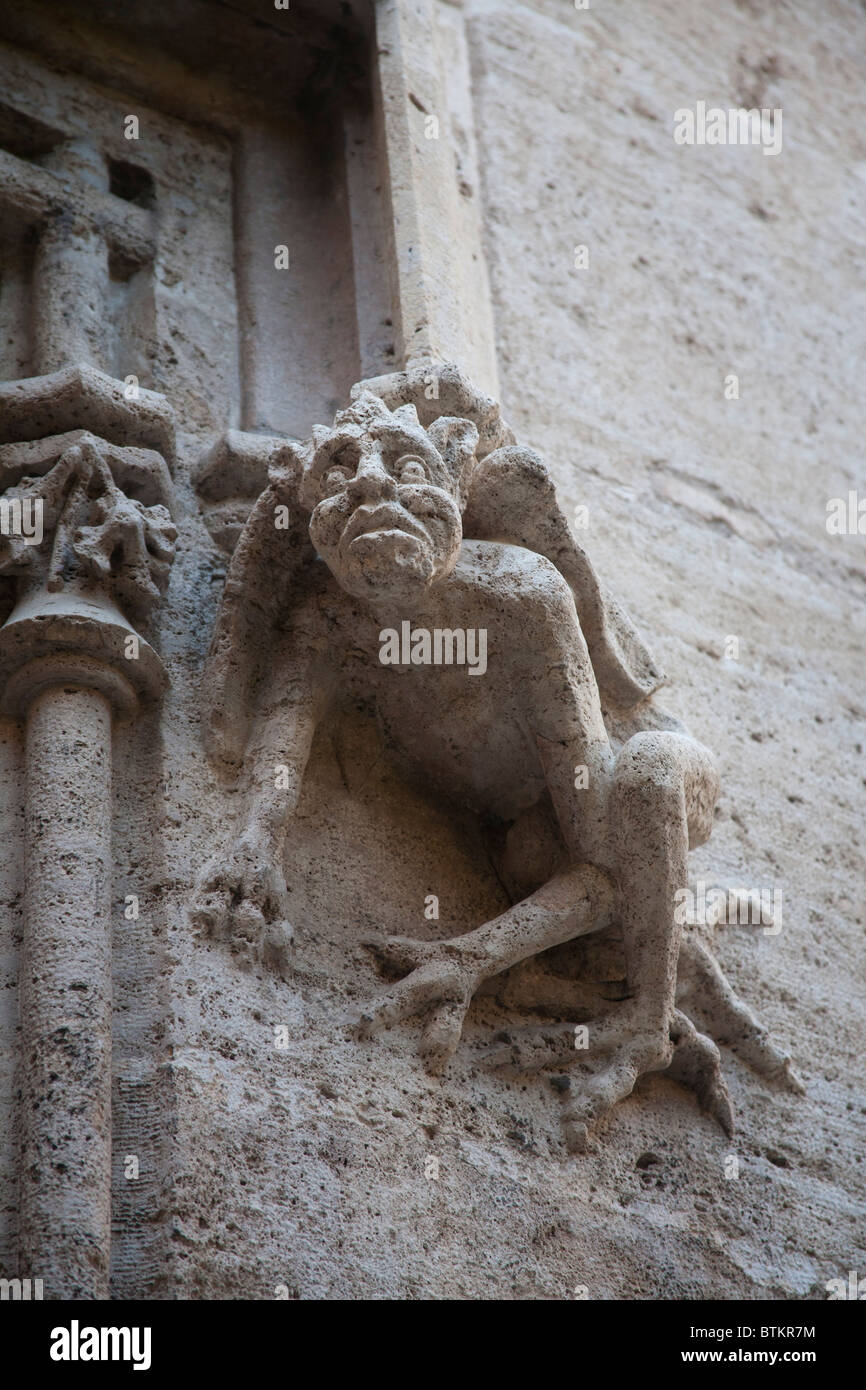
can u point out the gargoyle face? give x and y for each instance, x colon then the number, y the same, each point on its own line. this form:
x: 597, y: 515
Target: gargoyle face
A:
x: 385, y: 503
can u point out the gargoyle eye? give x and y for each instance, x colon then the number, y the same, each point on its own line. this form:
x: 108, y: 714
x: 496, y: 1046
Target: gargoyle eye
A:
x: 411, y: 470
x: 335, y: 480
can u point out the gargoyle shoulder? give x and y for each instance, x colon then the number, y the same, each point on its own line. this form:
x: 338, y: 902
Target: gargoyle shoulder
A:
x: 517, y: 577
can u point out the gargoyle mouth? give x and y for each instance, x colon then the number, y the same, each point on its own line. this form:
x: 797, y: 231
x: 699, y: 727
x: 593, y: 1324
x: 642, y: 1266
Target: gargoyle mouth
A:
x: 368, y: 521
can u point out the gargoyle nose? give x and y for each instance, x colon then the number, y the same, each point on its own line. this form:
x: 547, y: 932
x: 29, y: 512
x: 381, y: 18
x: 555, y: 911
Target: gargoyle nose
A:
x: 372, y: 481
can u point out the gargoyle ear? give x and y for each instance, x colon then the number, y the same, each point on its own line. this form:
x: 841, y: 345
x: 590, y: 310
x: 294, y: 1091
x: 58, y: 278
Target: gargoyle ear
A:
x: 286, y: 469
x: 438, y: 389
x: 456, y: 440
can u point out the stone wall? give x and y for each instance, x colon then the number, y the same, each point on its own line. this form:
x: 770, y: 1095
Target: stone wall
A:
x: 709, y: 515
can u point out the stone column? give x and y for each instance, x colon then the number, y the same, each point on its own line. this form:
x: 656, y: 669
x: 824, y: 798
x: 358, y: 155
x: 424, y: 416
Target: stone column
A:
x: 65, y: 993
x: 70, y: 661
x: 70, y: 271
x: 423, y: 90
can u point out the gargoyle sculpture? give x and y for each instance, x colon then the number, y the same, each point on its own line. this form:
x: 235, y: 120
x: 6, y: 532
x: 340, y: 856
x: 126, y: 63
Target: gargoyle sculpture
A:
x: 417, y: 514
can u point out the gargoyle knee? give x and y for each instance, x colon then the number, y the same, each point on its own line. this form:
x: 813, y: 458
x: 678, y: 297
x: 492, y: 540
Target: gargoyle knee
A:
x: 662, y: 764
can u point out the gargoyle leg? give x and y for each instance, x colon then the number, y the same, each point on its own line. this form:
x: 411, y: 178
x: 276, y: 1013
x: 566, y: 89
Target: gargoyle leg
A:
x: 446, y: 974
x: 661, y: 799
x: 649, y: 820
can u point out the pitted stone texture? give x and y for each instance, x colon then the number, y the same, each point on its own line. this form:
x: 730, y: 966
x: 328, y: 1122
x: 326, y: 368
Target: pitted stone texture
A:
x: 65, y: 996
x: 304, y: 1169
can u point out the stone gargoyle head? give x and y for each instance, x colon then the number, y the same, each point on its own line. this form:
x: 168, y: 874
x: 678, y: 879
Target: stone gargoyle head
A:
x: 386, y: 496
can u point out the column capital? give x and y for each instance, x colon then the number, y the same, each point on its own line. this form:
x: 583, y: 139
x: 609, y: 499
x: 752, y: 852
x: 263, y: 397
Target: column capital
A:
x: 86, y: 538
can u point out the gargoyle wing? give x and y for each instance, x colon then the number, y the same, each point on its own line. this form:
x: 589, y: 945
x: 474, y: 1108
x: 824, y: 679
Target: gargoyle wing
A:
x: 512, y: 499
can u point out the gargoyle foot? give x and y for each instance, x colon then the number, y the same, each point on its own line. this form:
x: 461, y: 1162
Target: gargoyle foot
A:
x: 632, y: 1050
x: 702, y: 987
x: 440, y: 983
x: 613, y: 1050
x: 697, y: 1064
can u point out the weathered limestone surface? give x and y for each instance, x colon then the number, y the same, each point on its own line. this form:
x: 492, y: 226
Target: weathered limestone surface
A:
x: 709, y: 515
x: 279, y: 1154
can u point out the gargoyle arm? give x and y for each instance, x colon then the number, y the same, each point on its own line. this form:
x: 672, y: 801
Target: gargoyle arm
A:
x: 288, y: 711
x: 241, y: 895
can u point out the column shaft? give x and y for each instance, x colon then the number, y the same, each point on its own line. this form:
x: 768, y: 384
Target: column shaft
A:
x: 65, y: 995
x: 69, y: 312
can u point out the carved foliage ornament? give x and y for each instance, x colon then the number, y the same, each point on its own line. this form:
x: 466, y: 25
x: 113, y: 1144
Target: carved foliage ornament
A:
x: 75, y: 523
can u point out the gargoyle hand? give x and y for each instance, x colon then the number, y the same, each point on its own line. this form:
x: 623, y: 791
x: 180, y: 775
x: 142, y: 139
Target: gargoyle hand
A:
x: 242, y: 898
